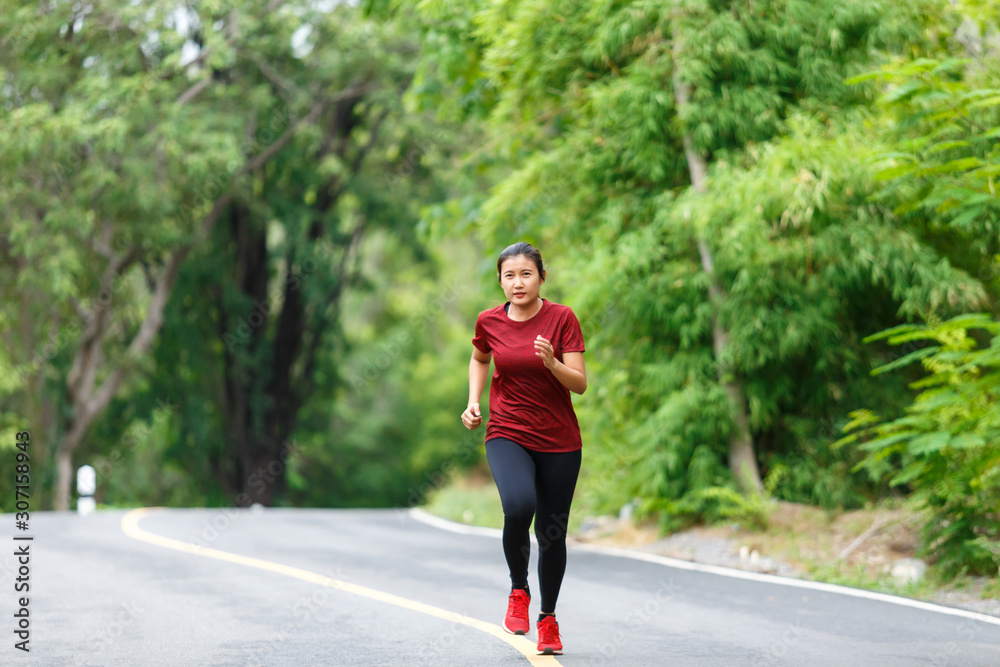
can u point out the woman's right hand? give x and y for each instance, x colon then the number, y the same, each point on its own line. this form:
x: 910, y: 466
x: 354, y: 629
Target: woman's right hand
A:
x: 472, y: 418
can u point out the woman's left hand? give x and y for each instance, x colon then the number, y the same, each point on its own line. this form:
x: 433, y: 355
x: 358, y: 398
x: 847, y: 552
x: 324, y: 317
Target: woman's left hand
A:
x: 543, y: 349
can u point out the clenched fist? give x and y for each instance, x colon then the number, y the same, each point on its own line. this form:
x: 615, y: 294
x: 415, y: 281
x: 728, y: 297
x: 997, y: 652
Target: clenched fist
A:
x: 472, y: 417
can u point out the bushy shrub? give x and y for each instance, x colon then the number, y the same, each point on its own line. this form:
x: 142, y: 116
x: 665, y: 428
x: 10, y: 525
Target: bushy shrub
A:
x: 946, y: 448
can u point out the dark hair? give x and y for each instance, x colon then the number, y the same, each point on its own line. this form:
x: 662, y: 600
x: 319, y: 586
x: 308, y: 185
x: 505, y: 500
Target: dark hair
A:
x: 518, y: 249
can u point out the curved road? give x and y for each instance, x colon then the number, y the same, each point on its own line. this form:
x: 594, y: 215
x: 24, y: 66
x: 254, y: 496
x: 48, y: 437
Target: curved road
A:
x: 380, y: 587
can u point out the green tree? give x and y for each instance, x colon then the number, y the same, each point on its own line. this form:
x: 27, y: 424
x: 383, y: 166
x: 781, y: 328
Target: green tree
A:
x: 288, y: 256
x: 940, y: 173
x: 730, y: 281
x: 100, y: 161
x: 234, y: 134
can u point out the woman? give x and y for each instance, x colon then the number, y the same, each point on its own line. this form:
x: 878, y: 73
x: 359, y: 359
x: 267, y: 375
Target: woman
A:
x: 532, y: 438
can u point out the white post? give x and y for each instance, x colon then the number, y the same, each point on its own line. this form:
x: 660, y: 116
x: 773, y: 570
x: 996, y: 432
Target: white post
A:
x: 86, y: 485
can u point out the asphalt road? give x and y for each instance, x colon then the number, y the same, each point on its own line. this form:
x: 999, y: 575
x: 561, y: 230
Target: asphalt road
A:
x: 379, y: 587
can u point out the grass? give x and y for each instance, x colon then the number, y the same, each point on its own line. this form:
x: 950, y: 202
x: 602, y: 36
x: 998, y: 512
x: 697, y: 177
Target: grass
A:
x: 464, y: 502
x: 476, y: 502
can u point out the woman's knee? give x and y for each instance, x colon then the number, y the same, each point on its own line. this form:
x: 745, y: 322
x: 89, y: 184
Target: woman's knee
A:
x: 553, y: 544
x: 520, y: 510
x: 552, y: 525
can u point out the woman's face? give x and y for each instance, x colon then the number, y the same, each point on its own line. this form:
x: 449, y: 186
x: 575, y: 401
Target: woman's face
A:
x: 520, y: 280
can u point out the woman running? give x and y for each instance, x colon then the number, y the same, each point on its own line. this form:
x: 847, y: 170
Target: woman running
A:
x: 532, y: 437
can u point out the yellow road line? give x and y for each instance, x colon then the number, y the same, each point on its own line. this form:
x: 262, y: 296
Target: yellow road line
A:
x: 130, y: 526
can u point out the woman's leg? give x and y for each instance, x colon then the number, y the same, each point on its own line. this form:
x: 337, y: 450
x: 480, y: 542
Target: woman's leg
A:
x: 555, y: 481
x: 514, y: 473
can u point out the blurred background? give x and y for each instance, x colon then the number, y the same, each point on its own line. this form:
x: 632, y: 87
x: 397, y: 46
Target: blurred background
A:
x: 244, y: 243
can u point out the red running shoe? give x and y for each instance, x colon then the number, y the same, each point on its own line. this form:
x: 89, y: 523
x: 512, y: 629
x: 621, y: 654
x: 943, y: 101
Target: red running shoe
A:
x: 548, y: 637
x: 516, y: 620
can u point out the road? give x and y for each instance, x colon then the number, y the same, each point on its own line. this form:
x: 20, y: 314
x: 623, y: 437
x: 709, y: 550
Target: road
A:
x: 380, y: 587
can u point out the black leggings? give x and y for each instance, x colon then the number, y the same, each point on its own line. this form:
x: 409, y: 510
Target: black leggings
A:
x: 528, y: 481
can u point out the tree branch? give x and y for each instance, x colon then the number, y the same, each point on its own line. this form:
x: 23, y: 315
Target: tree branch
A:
x: 311, y: 116
x: 270, y: 73
x: 83, y: 370
x: 286, y: 136
x: 878, y: 524
x: 154, y: 316
x: 193, y: 91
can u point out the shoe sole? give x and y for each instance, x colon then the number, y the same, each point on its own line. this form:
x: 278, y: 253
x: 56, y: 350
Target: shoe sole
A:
x: 550, y: 651
x: 512, y: 632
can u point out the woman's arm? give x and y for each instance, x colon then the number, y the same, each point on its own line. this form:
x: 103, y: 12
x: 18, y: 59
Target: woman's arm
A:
x: 479, y: 370
x: 571, y: 371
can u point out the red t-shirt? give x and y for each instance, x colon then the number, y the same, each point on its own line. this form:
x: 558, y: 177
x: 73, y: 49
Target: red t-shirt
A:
x: 527, y: 403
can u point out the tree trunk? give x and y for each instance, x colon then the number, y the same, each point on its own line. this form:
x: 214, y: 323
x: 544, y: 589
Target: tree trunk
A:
x: 39, y: 408
x: 742, y: 457
x: 244, y: 387
x: 258, y: 443
x: 257, y: 440
x: 48, y: 427
x: 64, y: 460
x: 64, y: 477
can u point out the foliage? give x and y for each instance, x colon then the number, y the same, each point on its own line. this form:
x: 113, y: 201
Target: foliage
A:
x: 813, y: 266
x: 107, y: 149
x: 946, y: 449
x: 752, y: 510
x: 583, y: 108
x: 129, y: 132
x: 393, y: 413
x: 941, y: 173
x: 382, y: 154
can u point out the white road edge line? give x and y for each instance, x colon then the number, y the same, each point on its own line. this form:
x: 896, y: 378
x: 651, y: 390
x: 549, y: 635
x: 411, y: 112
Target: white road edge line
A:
x: 445, y: 524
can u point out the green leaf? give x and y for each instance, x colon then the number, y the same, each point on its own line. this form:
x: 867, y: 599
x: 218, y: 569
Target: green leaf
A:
x: 988, y: 102
x: 954, y: 166
x: 910, y: 472
x: 906, y: 359
x: 946, y: 146
x: 887, y: 441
